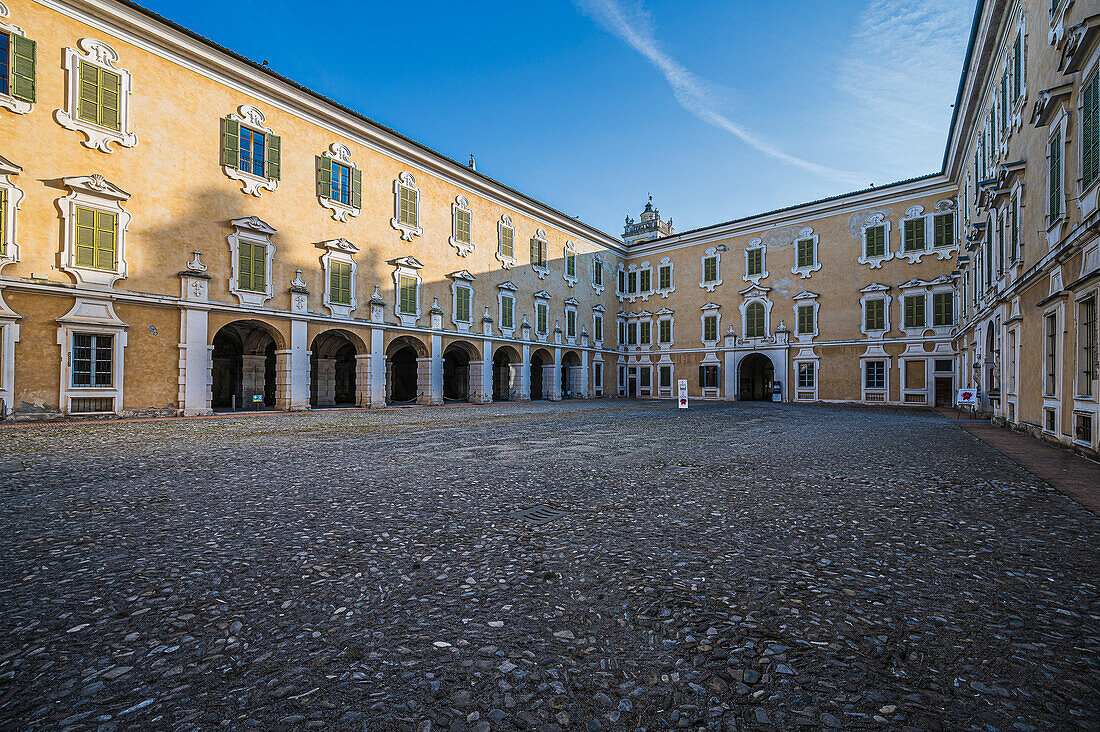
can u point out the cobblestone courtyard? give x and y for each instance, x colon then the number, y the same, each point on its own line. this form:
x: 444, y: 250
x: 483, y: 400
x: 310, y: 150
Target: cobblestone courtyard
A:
x: 738, y: 566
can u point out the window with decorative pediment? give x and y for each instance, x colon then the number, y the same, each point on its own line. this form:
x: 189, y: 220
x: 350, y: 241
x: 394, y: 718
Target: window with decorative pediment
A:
x: 540, y: 252
x: 94, y: 231
x: 338, y: 263
x: 542, y: 314
x: 251, y: 152
x: 506, y: 307
x: 506, y: 242
x: 805, y: 253
x: 18, y: 67
x: 406, y: 286
x: 462, y: 299
x: 339, y: 182
x: 406, y: 207
x: 10, y: 197
x: 462, y: 226
x: 253, y: 254
x: 97, y: 96
x: 597, y: 273
x: 876, y: 241
x: 710, y: 263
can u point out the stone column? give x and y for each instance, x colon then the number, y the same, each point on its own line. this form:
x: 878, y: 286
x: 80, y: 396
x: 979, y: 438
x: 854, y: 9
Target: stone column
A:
x: 379, y: 383
x: 362, y: 379
x: 488, y: 378
x: 551, y: 382
x: 253, y: 368
x: 730, y: 390
x: 525, y: 373
x: 582, y: 381
x: 516, y: 381
x: 426, y: 377
x: 196, y: 352
x: 298, y: 368
x: 475, y: 384
x: 326, y: 382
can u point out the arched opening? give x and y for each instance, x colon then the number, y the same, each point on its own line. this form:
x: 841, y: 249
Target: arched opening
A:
x: 503, y: 361
x: 332, y: 369
x: 539, y: 359
x: 403, y: 375
x: 456, y: 373
x: 570, y: 375
x: 756, y: 375
x: 243, y: 366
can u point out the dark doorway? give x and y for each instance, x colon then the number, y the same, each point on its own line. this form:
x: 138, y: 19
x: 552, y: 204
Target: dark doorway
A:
x: 456, y: 374
x: 570, y: 370
x: 402, y: 368
x: 945, y: 392
x: 332, y: 370
x: 502, y: 374
x: 243, y: 368
x: 537, y: 362
x: 756, y: 377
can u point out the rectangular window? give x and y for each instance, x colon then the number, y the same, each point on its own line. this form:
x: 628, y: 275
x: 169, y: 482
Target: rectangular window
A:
x: 644, y: 333
x: 805, y: 319
x: 99, y: 96
x: 664, y: 277
x: 96, y: 239
x: 754, y: 320
x: 252, y: 267
x: 538, y: 252
x: 597, y: 327
x: 664, y: 331
x: 339, y: 278
x: 874, y: 314
x: 507, y: 241
x: 597, y: 273
x: 407, y: 300
x: 708, y: 376
x: 622, y: 281
x: 1015, y: 229
x: 914, y: 311
x: 341, y: 183
x: 463, y: 301
x: 631, y: 334
x: 251, y: 151
x: 408, y: 214
x: 710, y: 328
x: 507, y: 312
x: 943, y: 230
x: 1086, y: 346
x: 1054, y: 191
x: 1000, y: 248
x: 92, y: 359
x: 1090, y: 130
x: 754, y: 263
x: 1082, y: 430
x: 710, y: 269
x: 622, y: 332
x: 1011, y: 358
x: 875, y: 375
x: 462, y: 225
x: 645, y: 280
x: 1004, y: 105
x: 664, y: 373
x: 807, y: 376
x: 806, y: 252
x: 1017, y: 68
x: 570, y: 264
x: 570, y: 323
x: 631, y: 283
x: 4, y: 63
x: 874, y: 241
x: 542, y: 318
x: 914, y: 235
x: 1050, y: 383
x: 943, y: 309
x: 643, y: 377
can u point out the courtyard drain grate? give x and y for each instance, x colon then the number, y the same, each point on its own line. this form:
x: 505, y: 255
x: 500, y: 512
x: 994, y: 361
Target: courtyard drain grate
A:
x: 537, y: 515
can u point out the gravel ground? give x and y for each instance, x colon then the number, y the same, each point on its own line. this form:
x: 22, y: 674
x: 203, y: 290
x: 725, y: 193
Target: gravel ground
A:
x: 737, y: 566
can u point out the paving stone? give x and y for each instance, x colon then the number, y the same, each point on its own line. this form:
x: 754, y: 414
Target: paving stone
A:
x: 731, y: 566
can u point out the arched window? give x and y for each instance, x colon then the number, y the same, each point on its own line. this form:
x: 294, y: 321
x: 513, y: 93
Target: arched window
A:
x: 754, y: 320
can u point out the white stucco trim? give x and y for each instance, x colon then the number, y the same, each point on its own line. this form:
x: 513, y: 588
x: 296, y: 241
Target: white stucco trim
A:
x: 405, y: 180
x: 408, y: 267
x: 99, y: 54
x: 708, y: 254
x: 93, y: 192
x: 462, y: 248
x: 10, y: 245
x: 873, y: 221
x: 756, y: 244
x: 338, y: 250
x: 341, y: 154
x: 806, y: 234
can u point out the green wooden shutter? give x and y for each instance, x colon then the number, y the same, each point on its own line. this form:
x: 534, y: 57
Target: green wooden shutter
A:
x: 85, y: 237
x: 324, y: 176
x: 110, y: 91
x: 88, y: 102
x: 702, y: 375
x: 24, y: 68
x: 356, y: 188
x: 1090, y: 131
x: 244, y: 266
x: 231, y: 142
x: 1055, y: 174
x: 105, y: 239
x: 274, y: 146
x: 534, y: 251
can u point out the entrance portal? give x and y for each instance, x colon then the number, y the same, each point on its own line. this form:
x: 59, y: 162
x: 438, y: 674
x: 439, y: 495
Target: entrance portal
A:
x: 756, y: 376
x: 402, y: 371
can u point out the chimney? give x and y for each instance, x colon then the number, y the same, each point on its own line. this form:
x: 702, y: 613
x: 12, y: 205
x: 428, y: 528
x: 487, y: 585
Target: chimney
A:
x: 471, y: 165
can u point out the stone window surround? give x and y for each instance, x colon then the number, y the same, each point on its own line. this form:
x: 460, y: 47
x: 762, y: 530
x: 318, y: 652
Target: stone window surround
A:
x: 875, y: 352
x: 462, y: 279
x: 570, y: 250
x: 540, y: 236
x: 15, y: 194
x: 97, y: 317
x: 597, y: 314
x: 571, y: 307
x: 506, y: 290
x: 96, y: 137
x: 598, y: 286
x: 408, y: 267
x: 505, y: 223
x: 406, y: 179
x: 338, y: 250
x: 874, y: 291
x: 805, y: 356
x: 636, y: 269
x: 804, y: 234
x: 252, y: 184
x: 254, y: 231
x: 804, y: 299
x: 542, y: 298
x: 753, y: 245
x: 708, y: 310
x: 748, y: 296
x: 7, y: 101
x: 340, y: 153
x: 461, y: 203
x: 1060, y: 124
x: 94, y: 192
x: 874, y: 220
x: 1088, y: 199
x: 665, y: 315
x: 665, y: 262
x: 708, y: 254
x: 913, y: 213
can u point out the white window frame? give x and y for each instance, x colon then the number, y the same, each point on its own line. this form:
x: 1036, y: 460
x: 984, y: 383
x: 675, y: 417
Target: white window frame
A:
x: 717, y: 255
x: 1060, y: 124
x: 461, y: 203
x: 1079, y: 395
x: 914, y: 213
x: 338, y: 250
x: 571, y: 308
x: 874, y: 291
x: 645, y: 293
x: 253, y: 231
x: 620, y: 281
x: 657, y: 289
x: 598, y: 286
x: 251, y: 183
x: 340, y: 153
x: 408, y: 267
x: 570, y: 252
x: 405, y: 180
x: 11, y: 212
x: 710, y: 309
x: 505, y: 223
x: 875, y: 353
x: 805, y: 393
x: 1087, y: 198
x: 99, y: 54
x: 806, y: 299
x: 506, y: 290
x: 666, y: 363
x: 943, y: 289
x: 540, y: 236
x: 93, y: 192
x: 645, y: 317
x: 664, y: 315
x: 542, y: 299
x: 805, y: 234
x: 753, y: 245
x: 91, y: 316
x: 7, y: 101
x: 597, y: 315
x: 875, y: 220
x: 916, y: 292
x: 461, y: 280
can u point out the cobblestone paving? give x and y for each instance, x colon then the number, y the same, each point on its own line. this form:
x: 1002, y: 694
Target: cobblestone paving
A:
x: 737, y: 566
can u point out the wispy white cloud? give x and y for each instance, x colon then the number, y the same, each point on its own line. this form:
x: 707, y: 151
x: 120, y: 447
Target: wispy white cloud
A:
x: 898, y: 76
x: 692, y: 92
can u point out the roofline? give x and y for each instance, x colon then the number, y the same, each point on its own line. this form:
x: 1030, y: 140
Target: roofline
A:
x: 665, y: 240
x: 598, y: 234
x: 979, y: 8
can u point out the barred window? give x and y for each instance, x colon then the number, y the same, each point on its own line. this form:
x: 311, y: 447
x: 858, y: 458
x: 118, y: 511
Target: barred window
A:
x: 807, y: 375
x: 92, y: 359
x: 875, y: 375
x: 1086, y: 345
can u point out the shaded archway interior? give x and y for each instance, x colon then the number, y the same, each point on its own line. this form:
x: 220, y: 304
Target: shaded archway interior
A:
x: 539, y: 360
x: 756, y: 374
x: 333, y: 369
x: 403, y: 370
x: 503, y: 360
x: 243, y: 366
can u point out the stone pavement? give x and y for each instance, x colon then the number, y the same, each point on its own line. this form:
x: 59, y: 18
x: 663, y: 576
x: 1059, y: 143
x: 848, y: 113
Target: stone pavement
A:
x: 1065, y: 471
x: 737, y: 566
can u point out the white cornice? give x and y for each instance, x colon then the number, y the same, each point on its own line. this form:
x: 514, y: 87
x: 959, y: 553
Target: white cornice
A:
x: 134, y: 27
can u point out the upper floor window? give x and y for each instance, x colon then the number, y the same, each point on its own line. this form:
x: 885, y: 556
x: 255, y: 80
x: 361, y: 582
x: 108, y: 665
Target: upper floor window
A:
x: 664, y: 331
x: 252, y: 256
x: 339, y: 265
x: 754, y: 320
x: 339, y: 278
x: 570, y: 323
x: 806, y: 323
x: 506, y: 242
x: 914, y: 316
x: 710, y: 327
x: 96, y: 238
x: 464, y: 300
x: 913, y: 235
x: 632, y: 283
x: 252, y: 266
x: 664, y: 277
x: 94, y: 231
x: 806, y: 254
x: 540, y: 249
x: 622, y: 282
x: 645, y: 280
x: 406, y: 206
x: 943, y: 309
x: 874, y: 241
x: 710, y: 269
x: 597, y: 327
x: 251, y: 152
x: 597, y: 272
x: 754, y: 262
x: 97, y: 96
x: 407, y: 299
x: 18, y: 61
x: 570, y: 264
x: 462, y: 219
x: 507, y: 312
x: 1054, y: 172
x: 542, y: 318
x: 1090, y: 130
x: 874, y: 314
x: 406, y: 285
x: 631, y: 334
x: 644, y: 332
x: 943, y: 230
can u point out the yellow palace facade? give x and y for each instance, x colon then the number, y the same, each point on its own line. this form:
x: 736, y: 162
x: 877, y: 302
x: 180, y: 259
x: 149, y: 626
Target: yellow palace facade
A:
x: 245, y: 243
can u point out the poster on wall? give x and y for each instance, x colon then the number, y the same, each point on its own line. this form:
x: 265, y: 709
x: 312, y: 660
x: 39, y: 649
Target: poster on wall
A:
x: 682, y: 393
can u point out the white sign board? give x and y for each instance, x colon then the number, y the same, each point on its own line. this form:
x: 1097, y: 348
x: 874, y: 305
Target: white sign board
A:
x: 682, y: 393
x: 967, y: 397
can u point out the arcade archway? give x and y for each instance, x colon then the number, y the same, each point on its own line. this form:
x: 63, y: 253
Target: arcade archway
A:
x: 541, y: 362
x: 333, y: 378
x: 406, y: 381
x: 243, y: 366
x: 504, y: 361
x: 756, y: 374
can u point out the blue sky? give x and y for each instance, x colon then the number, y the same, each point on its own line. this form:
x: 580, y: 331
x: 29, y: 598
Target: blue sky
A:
x: 718, y: 108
